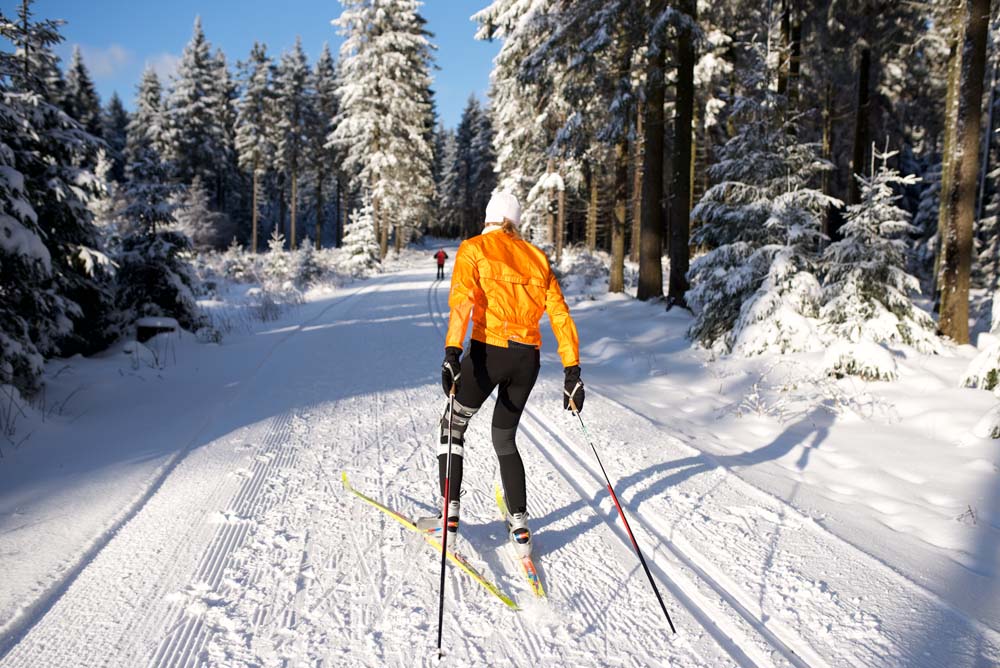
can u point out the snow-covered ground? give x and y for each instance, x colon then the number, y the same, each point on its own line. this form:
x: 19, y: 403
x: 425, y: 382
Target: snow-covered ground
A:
x: 193, y: 514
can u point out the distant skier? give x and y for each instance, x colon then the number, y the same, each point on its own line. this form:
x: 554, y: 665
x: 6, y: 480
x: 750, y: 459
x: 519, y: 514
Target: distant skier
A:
x: 505, y: 285
x: 440, y: 256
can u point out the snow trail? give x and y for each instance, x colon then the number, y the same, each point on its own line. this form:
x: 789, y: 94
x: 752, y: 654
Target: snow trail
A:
x: 250, y: 553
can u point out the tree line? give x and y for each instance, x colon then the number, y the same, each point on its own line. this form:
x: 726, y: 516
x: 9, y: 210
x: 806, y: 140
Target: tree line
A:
x: 687, y: 131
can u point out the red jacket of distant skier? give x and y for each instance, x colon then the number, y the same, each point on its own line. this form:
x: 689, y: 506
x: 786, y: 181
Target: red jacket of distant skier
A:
x: 440, y: 256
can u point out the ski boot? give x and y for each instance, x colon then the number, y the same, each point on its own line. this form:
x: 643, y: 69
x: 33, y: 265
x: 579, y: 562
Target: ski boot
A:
x: 433, y: 524
x: 520, y: 535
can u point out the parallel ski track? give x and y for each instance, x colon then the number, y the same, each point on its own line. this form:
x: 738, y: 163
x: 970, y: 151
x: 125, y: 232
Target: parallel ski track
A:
x: 724, y: 632
x: 184, y: 644
x: 782, y: 639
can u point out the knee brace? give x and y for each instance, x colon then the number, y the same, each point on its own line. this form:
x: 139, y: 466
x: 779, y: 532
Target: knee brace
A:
x: 503, y: 441
x: 459, y: 423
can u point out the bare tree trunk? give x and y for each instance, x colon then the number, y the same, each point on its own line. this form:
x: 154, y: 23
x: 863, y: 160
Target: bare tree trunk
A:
x: 320, y: 204
x: 255, y: 214
x: 592, y: 207
x: 862, y: 130
x: 342, y: 207
x: 651, y: 240
x: 785, y: 48
x: 794, y: 55
x: 827, y: 154
x: 398, y: 239
x: 683, y: 162
x: 957, y: 267
x: 616, y: 282
x: 294, y: 207
x: 560, y: 223
x: 948, y: 148
x: 637, y: 183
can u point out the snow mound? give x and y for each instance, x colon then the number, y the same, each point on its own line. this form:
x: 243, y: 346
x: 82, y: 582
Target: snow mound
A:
x: 864, y: 359
x: 989, y: 425
x: 984, y: 371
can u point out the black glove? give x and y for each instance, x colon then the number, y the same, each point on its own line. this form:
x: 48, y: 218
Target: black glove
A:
x: 451, y: 369
x: 573, y: 389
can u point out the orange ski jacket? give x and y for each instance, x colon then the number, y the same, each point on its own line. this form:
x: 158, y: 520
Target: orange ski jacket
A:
x: 505, y: 285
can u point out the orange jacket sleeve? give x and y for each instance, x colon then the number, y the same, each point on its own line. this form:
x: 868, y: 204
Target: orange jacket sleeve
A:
x: 562, y: 323
x: 464, y: 279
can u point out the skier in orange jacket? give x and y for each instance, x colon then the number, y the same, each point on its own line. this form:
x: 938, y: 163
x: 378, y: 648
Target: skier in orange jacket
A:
x: 504, y: 285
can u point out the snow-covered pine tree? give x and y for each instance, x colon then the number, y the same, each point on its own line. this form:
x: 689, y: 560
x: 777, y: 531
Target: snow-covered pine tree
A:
x: 322, y: 158
x: 522, y: 132
x: 229, y: 182
x: 293, y: 101
x: 25, y: 262
x: 360, y: 248
x: 195, y: 218
x: 866, y: 291
x: 755, y: 290
x: 384, y: 114
x: 925, y: 221
x: 277, y: 266
x: 154, y: 277
x: 115, y: 131
x: 253, y: 129
x: 81, y: 101
x: 458, y: 201
x: 193, y: 130
x: 51, y: 151
x: 986, y: 268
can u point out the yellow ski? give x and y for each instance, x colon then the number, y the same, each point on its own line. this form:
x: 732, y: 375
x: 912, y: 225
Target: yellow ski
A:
x: 527, y: 565
x: 454, y: 557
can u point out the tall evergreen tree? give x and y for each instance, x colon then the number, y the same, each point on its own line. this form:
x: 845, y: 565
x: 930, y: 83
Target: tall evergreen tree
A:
x: 115, y: 130
x: 866, y: 293
x: 253, y: 132
x: 382, y: 126
x: 81, y: 101
x: 194, y: 133
x: 324, y: 159
x: 293, y: 109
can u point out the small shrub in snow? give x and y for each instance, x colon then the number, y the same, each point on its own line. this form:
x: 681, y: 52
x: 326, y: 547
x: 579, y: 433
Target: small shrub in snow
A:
x: 360, y: 249
x: 276, y: 265
x: 984, y: 371
x: 866, y: 293
x: 988, y: 425
x: 306, y: 265
x: 236, y: 264
x: 864, y: 359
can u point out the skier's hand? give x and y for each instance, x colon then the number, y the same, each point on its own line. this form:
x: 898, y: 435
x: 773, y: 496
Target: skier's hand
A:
x: 451, y: 369
x: 573, y: 389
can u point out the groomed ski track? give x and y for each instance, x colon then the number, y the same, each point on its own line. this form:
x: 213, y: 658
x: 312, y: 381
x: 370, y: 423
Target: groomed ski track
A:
x: 247, y: 552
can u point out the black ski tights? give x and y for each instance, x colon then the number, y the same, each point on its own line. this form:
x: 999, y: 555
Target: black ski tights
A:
x: 513, y: 371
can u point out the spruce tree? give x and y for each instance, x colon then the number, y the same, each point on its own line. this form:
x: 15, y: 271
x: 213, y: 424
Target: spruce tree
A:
x: 756, y: 289
x: 293, y: 104
x: 253, y: 132
x: 323, y: 159
x: 81, y: 101
x: 115, y: 131
x: 866, y: 292
x: 360, y: 248
x: 154, y: 276
x: 382, y: 127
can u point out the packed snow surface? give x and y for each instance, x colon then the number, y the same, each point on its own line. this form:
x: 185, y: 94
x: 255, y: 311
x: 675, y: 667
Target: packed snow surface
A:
x: 185, y: 507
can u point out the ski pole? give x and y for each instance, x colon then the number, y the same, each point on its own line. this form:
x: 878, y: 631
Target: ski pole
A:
x: 444, y: 515
x: 621, y: 513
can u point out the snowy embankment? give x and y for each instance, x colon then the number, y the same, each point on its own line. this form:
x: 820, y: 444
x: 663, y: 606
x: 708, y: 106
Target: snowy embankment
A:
x: 193, y: 515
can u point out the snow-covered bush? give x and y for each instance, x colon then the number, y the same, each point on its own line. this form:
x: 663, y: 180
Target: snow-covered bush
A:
x: 236, y: 264
x: 360, y: 249
x: 307, y: 267
x: 206, y: 228
x: 984, y: 371
x: 988, y: 425
x: 276, y: 265
x: 755, y: 289
x: 866, y: 296
x: 155, y: 278
x: 582, y: 271
x: 865, y: 359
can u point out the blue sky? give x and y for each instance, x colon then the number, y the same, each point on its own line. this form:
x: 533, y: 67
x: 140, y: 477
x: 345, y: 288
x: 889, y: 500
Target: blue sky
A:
x: 119, y: 37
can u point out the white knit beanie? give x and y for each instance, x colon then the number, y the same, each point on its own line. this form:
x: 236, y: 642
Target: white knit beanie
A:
x: 503, y: 205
